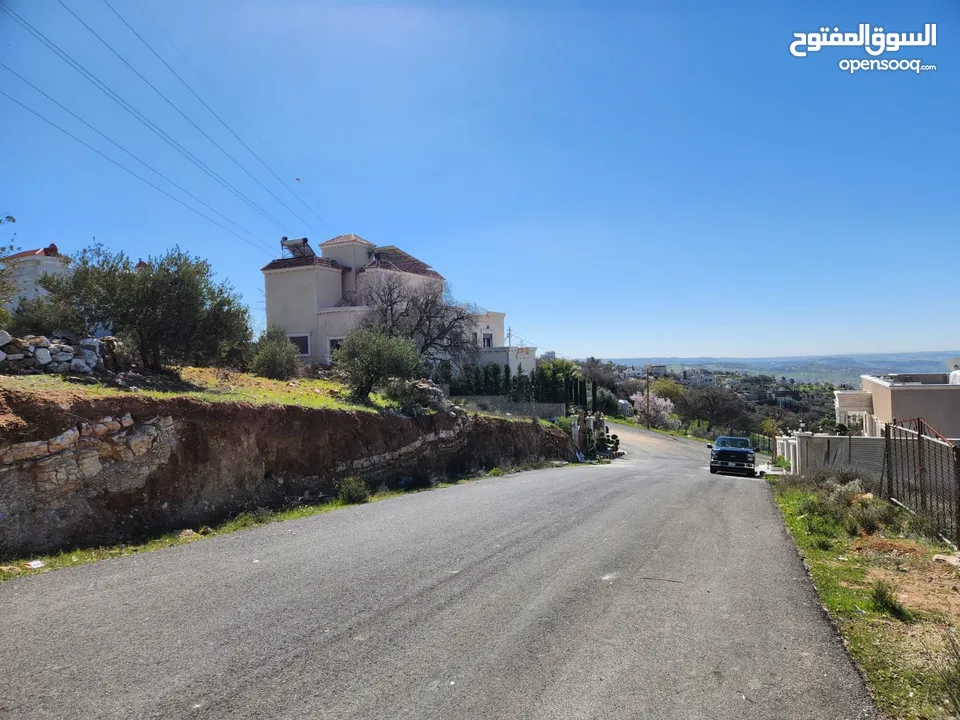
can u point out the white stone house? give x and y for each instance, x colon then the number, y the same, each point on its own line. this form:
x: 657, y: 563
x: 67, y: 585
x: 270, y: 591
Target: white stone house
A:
x: 28, y: 267
x: 317, y: 298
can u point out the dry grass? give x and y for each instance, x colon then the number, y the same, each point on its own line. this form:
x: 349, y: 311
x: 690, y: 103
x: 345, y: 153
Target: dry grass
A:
x: 888, y: 597
x: 207, y: 384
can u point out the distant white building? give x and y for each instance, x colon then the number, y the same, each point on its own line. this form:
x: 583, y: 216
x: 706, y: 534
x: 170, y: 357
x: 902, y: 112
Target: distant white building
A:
x: 641, y: 372
x: 28, y: 267
x: 699, y: 378
x: 548, y: 355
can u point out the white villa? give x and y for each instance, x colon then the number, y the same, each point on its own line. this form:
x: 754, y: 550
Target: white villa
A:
x: 315, y: 298
x: 28, y: 267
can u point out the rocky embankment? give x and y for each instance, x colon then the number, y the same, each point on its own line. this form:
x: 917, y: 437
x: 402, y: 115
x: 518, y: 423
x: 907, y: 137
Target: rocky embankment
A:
x: 37, y: 354
x: 100, y: 470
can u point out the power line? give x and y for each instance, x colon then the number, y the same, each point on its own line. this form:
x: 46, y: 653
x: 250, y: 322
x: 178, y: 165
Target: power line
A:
x: 137, y: 114
x: 533, y: 344
x: 210, y: 85
x: 221, y: 121
x: 173, y: 105
x: 142, y: 162
x: 123, y: 167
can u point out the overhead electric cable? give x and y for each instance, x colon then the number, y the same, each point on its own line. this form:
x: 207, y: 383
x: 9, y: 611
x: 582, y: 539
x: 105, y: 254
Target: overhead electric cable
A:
x: 137, y: 114
x: 142, y: 162
x: 219, y: 119
x: 126, y: 169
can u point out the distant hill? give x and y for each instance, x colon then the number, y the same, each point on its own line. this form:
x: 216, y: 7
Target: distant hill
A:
x: 812, y: 368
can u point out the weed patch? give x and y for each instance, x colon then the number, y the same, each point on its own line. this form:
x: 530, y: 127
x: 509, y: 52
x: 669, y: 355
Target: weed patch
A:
x: 884, y: 599
x: 352, y: 490
x: 872, y: 565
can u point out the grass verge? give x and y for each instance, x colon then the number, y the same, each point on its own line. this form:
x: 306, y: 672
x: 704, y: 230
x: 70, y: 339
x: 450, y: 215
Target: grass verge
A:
x: 208, y: 385
x: 874, y: 571
x: 242, y: 521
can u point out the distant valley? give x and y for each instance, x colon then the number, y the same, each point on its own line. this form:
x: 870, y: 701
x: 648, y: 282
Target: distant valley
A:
x: 837, y: 369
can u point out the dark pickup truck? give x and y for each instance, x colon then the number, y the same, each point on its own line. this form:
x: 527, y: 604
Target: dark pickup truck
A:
x: 732, y: 454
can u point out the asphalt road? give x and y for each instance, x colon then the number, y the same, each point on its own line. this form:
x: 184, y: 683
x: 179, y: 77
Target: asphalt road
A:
x: 647, y: 588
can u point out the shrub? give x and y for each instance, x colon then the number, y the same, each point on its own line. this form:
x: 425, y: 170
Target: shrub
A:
x: 889, y: 513
x: 370, y: 356
x: 275, y: 356
x: 495, y: 472
x: 921, y: 526
x: 352, y: 490
x: 816, y: 505
x: 565, y: 424
x: 781, y: 462
x: 867, y: 517
x: 844, y: 494
x: 846, y: 475
x: 884, y: 599
x: 607, y: 402
x: 949, y: 671
x: 411, y: 398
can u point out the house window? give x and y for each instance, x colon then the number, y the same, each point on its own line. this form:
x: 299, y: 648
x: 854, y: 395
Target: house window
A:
x: 302, y: 342
x: 333, y: 344
x: 487, y: 340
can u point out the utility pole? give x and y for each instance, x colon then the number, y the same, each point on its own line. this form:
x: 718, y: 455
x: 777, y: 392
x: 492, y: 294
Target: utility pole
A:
x: 647, y: 369
x: 509, y: 335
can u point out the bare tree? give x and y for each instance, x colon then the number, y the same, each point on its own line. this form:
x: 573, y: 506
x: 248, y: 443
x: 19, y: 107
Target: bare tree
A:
x: 7, y: 285
x: 599, y: 372
x: 440, y: 327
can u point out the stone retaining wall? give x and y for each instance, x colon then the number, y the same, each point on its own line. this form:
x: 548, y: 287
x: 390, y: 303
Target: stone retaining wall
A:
x: 124, y: 472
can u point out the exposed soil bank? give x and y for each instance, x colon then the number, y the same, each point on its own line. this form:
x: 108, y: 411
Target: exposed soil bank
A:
x: 87, y: 471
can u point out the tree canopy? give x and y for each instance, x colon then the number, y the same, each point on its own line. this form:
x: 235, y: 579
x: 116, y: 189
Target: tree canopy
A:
x: 440, y: 327
x: 170, y: 305
x: 370, y: 356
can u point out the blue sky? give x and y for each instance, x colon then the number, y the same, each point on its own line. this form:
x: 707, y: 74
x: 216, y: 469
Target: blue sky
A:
x: 622, y: 179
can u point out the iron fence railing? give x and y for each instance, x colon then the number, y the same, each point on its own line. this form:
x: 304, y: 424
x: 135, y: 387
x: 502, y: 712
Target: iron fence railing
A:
x: 763, y: 443
x: 922, y: 471
x: 911, y: 464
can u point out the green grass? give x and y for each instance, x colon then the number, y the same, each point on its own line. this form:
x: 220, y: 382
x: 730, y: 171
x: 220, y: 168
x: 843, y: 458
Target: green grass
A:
x: 201, y: 384
x: 883, y: 596
x: 871, y: 619
x: 240, y: 522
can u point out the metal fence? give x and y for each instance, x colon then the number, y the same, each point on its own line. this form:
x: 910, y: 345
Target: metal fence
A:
x: 911, y: 464
x: 922, y: 471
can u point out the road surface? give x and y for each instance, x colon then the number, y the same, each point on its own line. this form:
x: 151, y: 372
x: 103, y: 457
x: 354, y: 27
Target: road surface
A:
x: 647, y: 588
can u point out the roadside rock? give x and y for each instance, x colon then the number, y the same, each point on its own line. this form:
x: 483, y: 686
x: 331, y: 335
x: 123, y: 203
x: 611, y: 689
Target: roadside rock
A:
x: 77, y: 365
x: 36, y: 353
x: 948, y: 559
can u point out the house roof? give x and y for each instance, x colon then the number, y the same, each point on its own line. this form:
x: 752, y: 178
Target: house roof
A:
x: 286, y: 263
x: 49, y: 251
x: 350, y: 237
x: 390, y: 257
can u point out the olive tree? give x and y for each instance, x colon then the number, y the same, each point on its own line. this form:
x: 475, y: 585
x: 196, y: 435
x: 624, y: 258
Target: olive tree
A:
x: 369, y: 356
